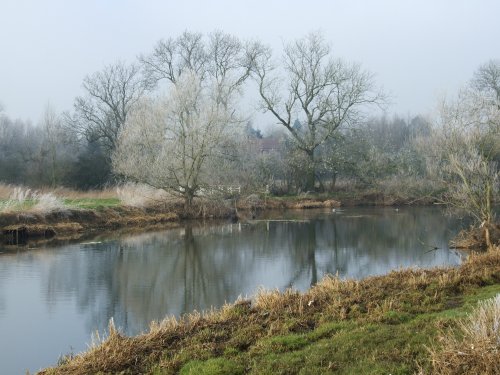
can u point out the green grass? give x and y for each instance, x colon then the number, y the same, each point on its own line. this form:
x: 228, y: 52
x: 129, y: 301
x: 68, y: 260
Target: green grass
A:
x: 215, y: 366
x: 85, y: 203
x: 396, y: 345
x: 345, y: 347
x: 92, y: 203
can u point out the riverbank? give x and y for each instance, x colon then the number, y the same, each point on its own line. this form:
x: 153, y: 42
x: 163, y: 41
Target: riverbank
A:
x: 74, y: 218
x: 385, y: 324
x: 22, y: 226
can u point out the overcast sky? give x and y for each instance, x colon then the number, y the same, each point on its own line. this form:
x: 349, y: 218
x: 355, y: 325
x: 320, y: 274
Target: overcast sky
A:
x: 418, y: 50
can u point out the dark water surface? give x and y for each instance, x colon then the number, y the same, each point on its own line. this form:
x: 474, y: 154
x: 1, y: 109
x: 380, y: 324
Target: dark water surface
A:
x: 52, y: 299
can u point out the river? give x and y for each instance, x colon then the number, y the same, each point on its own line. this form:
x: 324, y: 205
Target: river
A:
x: 53, y: 298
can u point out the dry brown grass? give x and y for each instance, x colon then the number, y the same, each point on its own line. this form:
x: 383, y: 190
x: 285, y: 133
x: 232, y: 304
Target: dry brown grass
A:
x: 140, y: 195
x: 308, y: 204
x: 477, y: 349
x: 66, y: 193
x: 474, y: 238
x: 6, y: 191
x: 21, y: 199
x: 171, y: 342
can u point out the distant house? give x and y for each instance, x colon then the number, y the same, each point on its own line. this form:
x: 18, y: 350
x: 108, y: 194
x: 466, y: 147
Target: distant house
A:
x: 268, y: 145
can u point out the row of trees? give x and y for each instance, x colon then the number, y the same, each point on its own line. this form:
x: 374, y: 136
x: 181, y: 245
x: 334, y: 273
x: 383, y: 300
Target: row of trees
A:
x: 174, y: 120
x: 49, y: 154
x: 205, y: 77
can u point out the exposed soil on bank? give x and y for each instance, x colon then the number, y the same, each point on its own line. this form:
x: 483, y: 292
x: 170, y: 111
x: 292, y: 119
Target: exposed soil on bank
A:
x: 23, y: 227
x: 72, y: 223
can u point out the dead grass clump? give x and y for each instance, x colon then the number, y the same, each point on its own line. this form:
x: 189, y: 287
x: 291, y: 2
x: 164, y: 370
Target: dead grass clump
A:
x: 478, y: 351
x: 48, y: 202
x: 252, y: 201
x: 105, y: 354
x: 209, y: 208
x: 25, y: 199
x: 332, y: 290
x: 5, y: 191
x: 331, y: 203
x: 8, y: 191
x: 140, y: 195
x: 479, y: 267
x: 61, y: 192
x: 274, y: 301
x: 308, y: 204
x: 474, y: 238
x: 468, y: 239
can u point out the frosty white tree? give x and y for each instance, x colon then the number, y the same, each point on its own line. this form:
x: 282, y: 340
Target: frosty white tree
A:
x: 177, y: 142
x: 487, y: 80
x: 170, y: 143
x: 461, y: 154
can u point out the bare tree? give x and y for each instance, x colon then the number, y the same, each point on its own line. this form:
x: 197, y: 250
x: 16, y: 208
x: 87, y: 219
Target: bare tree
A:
x: 171, y: 57
x: 177, y: 142
x: 170, y: 143
x: 487, y: 80
x: 321, y: 92
x: 222, y: 60
x: 110, y: 94
x: 461, y: 155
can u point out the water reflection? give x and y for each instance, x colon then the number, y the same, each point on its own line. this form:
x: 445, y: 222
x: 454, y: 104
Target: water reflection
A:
x: 141, y: 278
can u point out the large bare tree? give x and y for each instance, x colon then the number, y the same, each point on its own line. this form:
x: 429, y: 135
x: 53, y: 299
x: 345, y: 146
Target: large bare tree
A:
x: 220, y: 59
x: 109, y: 96
x: 322, y: 92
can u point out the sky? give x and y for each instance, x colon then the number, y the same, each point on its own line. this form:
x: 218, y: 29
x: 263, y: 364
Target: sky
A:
x: 417, y: 50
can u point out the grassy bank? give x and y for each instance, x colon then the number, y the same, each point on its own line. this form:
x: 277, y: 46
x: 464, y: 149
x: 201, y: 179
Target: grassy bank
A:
x: 380, y: 325
x: 60, y: 214
x: 27, y: 215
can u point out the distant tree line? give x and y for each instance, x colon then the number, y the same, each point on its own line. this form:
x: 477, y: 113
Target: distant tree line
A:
x: 47, y: 154
x: 173, y: 119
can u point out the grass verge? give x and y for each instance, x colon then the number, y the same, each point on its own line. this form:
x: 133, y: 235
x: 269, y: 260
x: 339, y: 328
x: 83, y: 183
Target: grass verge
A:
x: 379, y: 325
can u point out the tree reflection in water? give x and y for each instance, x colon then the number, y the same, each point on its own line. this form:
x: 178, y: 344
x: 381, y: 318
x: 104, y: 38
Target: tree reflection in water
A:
x: 142, y: 278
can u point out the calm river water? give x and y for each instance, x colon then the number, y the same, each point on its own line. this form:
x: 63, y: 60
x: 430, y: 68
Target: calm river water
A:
x: 52, y: 299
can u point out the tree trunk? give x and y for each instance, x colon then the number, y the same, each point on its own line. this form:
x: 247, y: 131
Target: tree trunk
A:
x: 334, y: 181
x: 188, y: 199
x: 487, y: 238
x: 311, y: 172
